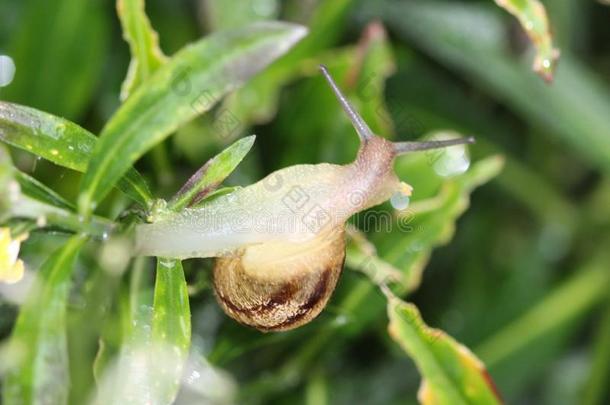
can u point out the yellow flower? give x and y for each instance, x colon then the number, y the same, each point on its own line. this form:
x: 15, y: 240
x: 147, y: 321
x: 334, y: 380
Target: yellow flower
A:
x: 11, y: 268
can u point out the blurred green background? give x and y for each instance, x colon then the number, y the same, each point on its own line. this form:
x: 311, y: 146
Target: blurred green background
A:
x: 524, y: 279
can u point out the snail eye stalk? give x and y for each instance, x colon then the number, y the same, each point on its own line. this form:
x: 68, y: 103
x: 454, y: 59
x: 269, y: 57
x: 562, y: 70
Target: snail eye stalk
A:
x: 405, y: 147
x: 364, y: 132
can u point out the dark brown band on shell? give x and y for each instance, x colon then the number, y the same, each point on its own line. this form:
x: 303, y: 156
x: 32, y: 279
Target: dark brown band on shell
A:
x: 284, y: 304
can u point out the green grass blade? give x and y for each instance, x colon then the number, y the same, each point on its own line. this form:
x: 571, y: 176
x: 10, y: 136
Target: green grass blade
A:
x: 60, y: 141
x: 451, y: 374
x: 58, y: 49
x: 27, y: 198
x: 562, y: 305
x: 211, y: 175
x: 189, y: 84
x: 39, y: 338
x: 46, y: 215
x: 599, y: 374
x: 35, y: 189
x: 146, y: 56
x: 171, y: 324
x: 156, y: 339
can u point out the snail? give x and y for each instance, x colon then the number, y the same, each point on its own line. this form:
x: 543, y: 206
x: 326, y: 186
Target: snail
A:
x: 280, y: 242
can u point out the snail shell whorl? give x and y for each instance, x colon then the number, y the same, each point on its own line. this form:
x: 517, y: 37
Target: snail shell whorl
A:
x: 277, y: 286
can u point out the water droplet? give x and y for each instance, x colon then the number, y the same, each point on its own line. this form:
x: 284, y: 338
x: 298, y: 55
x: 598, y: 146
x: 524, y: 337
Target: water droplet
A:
x: 341, y: 320
x: 416, y: 246
x: 453, y: 161
x: 114, y: 254
x: 14, y: 191
x: 7, y: 70
x: 546, y: 63
x: 264, y: 8
x: 41, y: 221
x: 400, y: 201
x: 195, y: 375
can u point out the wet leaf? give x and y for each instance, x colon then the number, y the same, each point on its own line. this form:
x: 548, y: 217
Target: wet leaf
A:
x: 190, y: 83
x: 38, y: 191
x: 451, y: 374
x: 533, y: 18
x: 211, y: 175
x: 430, y: 222
x: 171, y: 325
x: 60, y: 141
x: 27, y: 198
x: 156, y: 339
x: 40, y: 373
x: 146, y: 56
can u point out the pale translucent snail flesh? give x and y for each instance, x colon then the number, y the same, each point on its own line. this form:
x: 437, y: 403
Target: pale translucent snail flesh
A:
x: 280, y: 243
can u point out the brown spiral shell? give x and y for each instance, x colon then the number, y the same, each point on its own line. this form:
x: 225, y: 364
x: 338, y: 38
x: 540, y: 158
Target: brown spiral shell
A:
x: 278, y: 286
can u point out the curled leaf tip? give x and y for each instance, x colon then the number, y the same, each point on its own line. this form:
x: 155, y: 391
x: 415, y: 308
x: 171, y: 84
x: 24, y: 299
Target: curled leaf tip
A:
x: 533, y: 18
x: 460, y: 378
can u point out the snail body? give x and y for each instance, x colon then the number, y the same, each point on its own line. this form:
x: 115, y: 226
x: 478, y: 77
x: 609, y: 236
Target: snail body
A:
x: 294, y: 204
x: 280, y: 242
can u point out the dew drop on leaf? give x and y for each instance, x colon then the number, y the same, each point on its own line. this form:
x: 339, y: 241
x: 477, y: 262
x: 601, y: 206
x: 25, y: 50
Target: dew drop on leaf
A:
x: 7, y: 70
x: 400, y: 201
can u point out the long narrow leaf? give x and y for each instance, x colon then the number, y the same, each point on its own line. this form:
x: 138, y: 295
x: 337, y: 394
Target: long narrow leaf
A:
x: 187, y: 85
x: 211, y: 175
x: 171, y: 325
x: 60, y: 141
x: 451, y: 374
x: 564, y: 304
x: 25, y: 197
x: 156, y: 340
x: 27, y: 184
x: 35, y: 189
x: 146, y: 56
x: 39, y: 339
